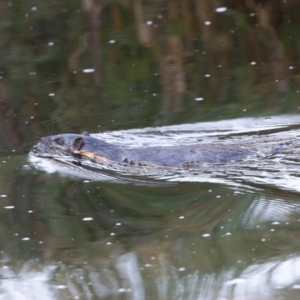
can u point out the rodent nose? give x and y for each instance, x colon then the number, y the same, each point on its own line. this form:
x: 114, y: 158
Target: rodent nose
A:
x: 34, y: 149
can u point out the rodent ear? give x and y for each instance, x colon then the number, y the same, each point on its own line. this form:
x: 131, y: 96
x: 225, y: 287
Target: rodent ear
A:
x: 77, y: 144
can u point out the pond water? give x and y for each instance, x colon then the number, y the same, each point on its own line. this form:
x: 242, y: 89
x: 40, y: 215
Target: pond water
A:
x: 139, y: 74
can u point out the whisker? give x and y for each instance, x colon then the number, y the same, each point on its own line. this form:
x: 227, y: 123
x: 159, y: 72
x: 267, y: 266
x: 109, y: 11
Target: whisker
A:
x: 38, y: 134
x: 52, y: 127
x: 29, y: 144
x: 47, y: 129
x: 62, y: 130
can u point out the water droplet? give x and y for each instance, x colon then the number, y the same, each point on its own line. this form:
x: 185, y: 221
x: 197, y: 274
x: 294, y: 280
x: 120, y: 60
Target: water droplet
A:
x: 221, y: 9
x: 88, y: 70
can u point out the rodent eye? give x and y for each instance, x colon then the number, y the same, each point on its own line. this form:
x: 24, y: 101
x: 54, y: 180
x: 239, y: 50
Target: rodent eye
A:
x: 59, y: 141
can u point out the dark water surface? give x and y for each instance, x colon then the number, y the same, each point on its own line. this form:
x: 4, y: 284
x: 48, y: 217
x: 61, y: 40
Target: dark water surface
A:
x: 141, y: 73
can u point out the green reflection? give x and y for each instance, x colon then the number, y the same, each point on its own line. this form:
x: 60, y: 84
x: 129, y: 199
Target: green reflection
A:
x: 150, y: 61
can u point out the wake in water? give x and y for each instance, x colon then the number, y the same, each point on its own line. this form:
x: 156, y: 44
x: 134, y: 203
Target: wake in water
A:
x: 273, y: 140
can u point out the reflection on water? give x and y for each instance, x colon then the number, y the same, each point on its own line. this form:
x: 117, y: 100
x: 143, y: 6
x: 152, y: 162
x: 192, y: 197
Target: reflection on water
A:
x: 26, y: 283
x: 83, y: 240
x: 222, y: 232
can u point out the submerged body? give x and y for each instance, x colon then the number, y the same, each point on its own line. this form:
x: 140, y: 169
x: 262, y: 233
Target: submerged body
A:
x: 83, y: 146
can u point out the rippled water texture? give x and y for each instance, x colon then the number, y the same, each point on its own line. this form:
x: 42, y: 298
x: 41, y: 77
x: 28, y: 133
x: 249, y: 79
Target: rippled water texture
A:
x: 273, y: 139
x: 151, y: 73
x: 216, y: 231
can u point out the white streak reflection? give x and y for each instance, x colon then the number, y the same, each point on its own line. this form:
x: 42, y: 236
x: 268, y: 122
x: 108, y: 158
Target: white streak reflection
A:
x: 26, y: 285
x: 128, y: 268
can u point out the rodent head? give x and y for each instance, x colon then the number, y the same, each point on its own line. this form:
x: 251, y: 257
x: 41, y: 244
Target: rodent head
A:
x: 78, y: 145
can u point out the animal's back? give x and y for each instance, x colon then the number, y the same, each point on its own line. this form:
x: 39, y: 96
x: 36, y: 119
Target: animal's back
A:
x: 186, y: 154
